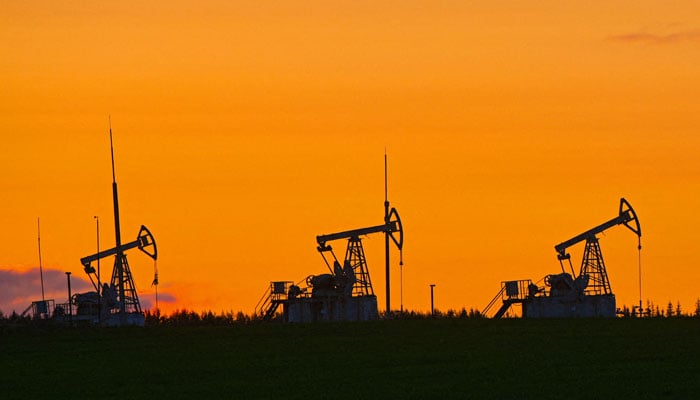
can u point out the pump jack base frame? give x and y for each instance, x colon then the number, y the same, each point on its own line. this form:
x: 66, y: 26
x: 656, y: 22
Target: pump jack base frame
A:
x: 589, y: 306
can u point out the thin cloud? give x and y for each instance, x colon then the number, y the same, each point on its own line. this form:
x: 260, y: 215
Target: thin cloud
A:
x: 18, y: 289
x: 148, y: 300
x: 658, y: 39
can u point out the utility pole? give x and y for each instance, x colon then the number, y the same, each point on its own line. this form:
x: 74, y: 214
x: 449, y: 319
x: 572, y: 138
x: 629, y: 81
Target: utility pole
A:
x: 432, y: 299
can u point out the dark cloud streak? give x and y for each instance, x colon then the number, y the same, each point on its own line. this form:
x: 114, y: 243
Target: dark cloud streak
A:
x: 148, y: 301
x: 19, y: 288
x: 658, y: 39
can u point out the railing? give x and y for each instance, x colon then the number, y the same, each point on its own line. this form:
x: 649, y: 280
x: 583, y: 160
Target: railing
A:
x: 40, y: 309
x: 516, y: 290
x: 511, y: 292
x: 276, y: 293
x: 493, y: 301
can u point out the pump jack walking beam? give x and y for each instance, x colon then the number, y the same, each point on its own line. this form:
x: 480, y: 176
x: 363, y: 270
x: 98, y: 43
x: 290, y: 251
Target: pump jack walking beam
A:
x: 144, y: 241
x: 626, y: 217
x: 392, y: 226
x: 592, y: 263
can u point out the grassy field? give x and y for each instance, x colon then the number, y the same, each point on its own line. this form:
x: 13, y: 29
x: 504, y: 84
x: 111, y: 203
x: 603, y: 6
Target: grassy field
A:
x: 457, y: 358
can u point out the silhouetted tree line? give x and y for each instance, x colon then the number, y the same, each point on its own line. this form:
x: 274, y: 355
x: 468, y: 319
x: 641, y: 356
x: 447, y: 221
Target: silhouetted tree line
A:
x: 208, y: 318
x: 656, y: 311
x: 186, y: 317
x: 449, y: 314
x: 190, y: 318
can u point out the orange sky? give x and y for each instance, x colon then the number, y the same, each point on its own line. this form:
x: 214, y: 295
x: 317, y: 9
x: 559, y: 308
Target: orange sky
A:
x: 243, y: 130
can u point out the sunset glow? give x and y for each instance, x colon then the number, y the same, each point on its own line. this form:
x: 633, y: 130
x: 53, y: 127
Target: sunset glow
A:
x: 242, y: 130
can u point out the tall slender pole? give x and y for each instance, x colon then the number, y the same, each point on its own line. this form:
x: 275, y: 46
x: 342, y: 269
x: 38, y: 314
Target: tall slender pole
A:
x: 41, y: 268
x: 117, y: 230
x: 401, y: 274
x: 99, y: 282
x: 432, y: 300
x: 640, y: 278
x: 70, y: 303
x: 97, y: 228
x: 386, y: 236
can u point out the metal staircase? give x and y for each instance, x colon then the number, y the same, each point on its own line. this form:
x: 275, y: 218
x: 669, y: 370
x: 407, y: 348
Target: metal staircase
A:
x: 512, y: 292
x: 270, y: 301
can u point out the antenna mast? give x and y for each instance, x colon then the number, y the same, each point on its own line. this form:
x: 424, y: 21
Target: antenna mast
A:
x: 386, y: 234
x: 119, y: 300
x: 119, y: 266
x: 41, y: 268
x: 120, y: 258
x: 117, y: 227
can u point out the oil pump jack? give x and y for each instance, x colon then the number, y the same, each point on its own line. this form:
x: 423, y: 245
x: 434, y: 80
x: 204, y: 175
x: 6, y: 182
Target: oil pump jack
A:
x: 354, y: 268
x: 116, y: 304
x: 567, y: 295
x: 346, y: 292
x: 592, y: 266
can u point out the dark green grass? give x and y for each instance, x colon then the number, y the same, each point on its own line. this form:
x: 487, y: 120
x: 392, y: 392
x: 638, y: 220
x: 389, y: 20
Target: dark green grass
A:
x: 480, y: 359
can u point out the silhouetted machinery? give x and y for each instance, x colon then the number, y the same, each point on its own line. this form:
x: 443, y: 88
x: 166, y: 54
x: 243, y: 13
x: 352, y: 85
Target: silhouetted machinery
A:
x: 116, y: 303
x: 343, y: 294
x: 567, y: 295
